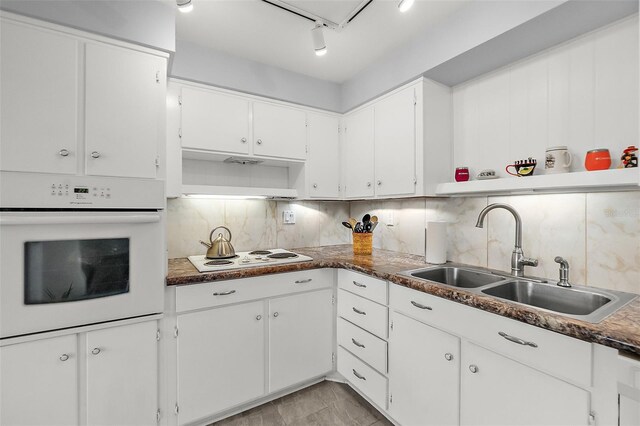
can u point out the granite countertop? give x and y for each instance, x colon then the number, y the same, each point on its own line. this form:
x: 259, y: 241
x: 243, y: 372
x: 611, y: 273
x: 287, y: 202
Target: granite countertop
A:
x: 620, y: 330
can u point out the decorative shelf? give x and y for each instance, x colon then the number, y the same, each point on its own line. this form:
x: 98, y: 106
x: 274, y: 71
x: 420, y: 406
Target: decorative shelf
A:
x: 602, y: 180
x: 238, y: 191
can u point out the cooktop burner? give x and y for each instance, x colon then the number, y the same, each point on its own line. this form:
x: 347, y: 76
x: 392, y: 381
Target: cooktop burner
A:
x: 284, y: 255
x: 219, y: 262
x: 259, y: 252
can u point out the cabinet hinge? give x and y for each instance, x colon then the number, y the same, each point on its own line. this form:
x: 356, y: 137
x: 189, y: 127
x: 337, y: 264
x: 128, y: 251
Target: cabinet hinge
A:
x: 158, y: 335
x: 338, y: 188
x: 176, y: 409
x: 391, y: 325
x: 592, y: 418
x: 157, y: 161
x: 179, y: 99
x: 157, y: 76
x: 180, y: 132
x: 158, y: 416
x: 391, y: 399
x: 306, y: 149
x: 175, y: 332
x: 333, y: 299
x: 415, y: 180
x: 333, y: 357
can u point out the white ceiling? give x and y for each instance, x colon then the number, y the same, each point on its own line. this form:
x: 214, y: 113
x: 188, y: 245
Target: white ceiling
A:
x: 261, y: 32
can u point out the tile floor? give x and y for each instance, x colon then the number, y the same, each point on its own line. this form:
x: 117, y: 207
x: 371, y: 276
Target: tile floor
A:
x: 324, y: 404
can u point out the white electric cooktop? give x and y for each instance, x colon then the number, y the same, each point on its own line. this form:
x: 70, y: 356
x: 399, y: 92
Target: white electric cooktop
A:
x: 248, y: 259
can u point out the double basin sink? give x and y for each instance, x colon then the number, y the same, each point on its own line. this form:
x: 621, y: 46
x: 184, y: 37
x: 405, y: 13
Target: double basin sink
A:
x: 584, y: 303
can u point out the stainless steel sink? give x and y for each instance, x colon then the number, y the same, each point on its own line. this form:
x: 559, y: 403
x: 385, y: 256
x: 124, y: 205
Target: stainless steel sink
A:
x: 584, y: 303
x: 456, y: 277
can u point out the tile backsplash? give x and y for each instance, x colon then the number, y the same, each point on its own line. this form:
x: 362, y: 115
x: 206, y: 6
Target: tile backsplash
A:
x: 598, y: 233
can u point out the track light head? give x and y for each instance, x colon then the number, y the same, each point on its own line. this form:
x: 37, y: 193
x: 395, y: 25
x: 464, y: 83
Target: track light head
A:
x: 185, y: 6
x: 405, y: 5
x: 319, y: 44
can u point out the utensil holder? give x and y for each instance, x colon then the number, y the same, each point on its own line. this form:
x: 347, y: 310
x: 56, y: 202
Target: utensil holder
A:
x: 362, y: 242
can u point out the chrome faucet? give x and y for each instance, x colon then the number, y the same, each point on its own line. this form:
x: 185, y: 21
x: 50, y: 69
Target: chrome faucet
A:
x: 564, y: 272
x: 518, y: 260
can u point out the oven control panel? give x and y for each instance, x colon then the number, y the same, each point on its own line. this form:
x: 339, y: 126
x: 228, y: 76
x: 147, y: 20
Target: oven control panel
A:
x: 80, y: 192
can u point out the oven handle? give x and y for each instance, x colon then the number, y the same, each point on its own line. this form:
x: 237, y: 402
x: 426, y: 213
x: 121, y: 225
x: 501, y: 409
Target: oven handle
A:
x: 73, y: 220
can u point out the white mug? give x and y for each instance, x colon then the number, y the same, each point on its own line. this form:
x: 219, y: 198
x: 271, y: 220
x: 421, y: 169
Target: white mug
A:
x: 557, y: 160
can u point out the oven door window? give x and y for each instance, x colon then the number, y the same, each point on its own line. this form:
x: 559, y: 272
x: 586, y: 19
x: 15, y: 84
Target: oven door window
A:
x: 70, y: 270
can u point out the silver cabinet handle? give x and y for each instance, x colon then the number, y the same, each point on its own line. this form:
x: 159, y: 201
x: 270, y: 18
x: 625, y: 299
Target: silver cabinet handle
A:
x: 308, y: 280
x: 358, y: 375
x: 379, y: 182
x: 95, y: 351
x: 418, y: 305
x: 473, y: 368
x: 95, y: 154
x: 63, y: 152
x: 448, y: 356
x: 517, y: 340
x: 358, y: 344
x: 224, y: 293
x: 259, y: 141
x: 357, y: 284
x: 258, y: 317
x: 275, y: 314
x: 368, y: 184
x: 315, y: 185
x: 358, y: 311
x: 64, y: 357
x: 243, y: 140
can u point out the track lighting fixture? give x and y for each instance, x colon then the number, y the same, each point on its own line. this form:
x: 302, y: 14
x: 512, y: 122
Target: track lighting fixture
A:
x: 185, y: 6
x: 405, y: 5
x: 318, y: 40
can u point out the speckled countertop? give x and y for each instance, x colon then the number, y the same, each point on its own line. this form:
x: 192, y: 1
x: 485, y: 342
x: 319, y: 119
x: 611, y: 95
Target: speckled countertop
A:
x: 620, y: 330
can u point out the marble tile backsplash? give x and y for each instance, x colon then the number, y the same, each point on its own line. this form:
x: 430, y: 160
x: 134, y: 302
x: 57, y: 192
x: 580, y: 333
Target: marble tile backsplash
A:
x: 598, y: 233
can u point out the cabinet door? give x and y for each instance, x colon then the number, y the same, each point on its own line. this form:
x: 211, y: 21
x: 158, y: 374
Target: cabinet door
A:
x: 300, y: 338
x: 279, y: 131
x: 424, y: 374
x: 395, y: 144
x: 498, y: 391
x: 220, y: 359
x: 358, y: 154
x: 125, y: 103
x: 323, y: 159
x: 122, y: 375
x: 214, y: 121
x: 39, y: 383
x: 39, y: 120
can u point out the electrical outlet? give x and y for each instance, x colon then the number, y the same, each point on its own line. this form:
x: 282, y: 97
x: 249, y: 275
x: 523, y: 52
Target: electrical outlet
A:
x: 389, y: 221
x: 289, y: 217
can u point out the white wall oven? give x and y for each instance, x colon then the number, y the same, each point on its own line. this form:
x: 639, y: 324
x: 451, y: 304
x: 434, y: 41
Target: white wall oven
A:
x: 62, y: 267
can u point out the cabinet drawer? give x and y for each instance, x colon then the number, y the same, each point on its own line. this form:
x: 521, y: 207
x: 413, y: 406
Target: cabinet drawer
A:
x: 219, y: 293
x: 364, y: 378
x: 364, y: 313
x: 363, y: 285
x: 494, y: 331
x: 363, y: 344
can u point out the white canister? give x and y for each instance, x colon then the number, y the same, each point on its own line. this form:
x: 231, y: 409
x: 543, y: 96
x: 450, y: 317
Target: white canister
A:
x: 557, y: 160
x: 436, y: 244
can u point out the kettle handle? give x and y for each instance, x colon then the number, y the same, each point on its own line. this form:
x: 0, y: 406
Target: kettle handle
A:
x: 214, y: 230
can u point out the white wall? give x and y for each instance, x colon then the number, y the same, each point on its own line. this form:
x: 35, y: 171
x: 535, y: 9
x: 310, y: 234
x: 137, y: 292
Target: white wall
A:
x: 583, y: 94
x: 147, y: 22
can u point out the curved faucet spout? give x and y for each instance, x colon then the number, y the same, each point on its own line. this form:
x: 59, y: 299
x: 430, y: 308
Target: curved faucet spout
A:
x: 507, y: 207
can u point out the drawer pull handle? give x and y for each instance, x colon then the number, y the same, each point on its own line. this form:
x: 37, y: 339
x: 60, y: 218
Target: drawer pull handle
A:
x: 448, y: 356
x: 96, y: 351
x: 258, y: 317
x: 224, y: 293
x: 308, y: 280
x: 473, y: 368
x: 64, y: 357
x: 418, y: 305
x: 358, y: 344
x: 357, y: 284
x: 517, y: 340
x: 358, y: 311
x: 358, y: 375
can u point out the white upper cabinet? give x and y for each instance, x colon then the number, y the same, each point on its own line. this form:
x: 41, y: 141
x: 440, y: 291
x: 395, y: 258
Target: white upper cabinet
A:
x: 395, y: 144
x: 39, y: 120
x: 323, y: 164
x: 125, y: 92
x: 215, y: 121
x: 279, y: 131
x: 358, y: 154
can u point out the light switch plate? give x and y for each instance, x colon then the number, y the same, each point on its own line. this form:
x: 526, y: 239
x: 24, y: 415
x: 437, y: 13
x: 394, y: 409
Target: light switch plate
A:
x: 289, y: 217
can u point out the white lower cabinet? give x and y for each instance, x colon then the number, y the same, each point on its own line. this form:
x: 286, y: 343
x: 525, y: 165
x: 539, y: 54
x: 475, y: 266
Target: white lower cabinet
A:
x: 496, y: 390
x: 39, y: 382
x: 220, y: 359
x: 300, y: 338
x: 116, y: 367
x: 424, y: 374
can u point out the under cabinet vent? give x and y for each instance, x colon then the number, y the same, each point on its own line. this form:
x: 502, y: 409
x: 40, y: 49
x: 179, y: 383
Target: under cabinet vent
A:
x: 242, y: 160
